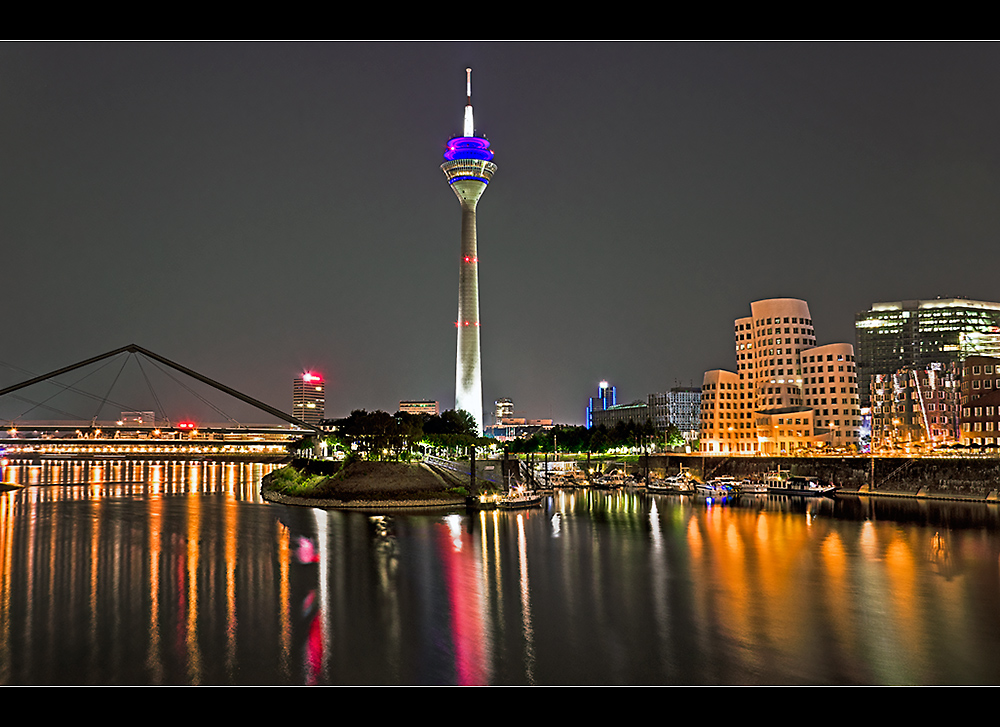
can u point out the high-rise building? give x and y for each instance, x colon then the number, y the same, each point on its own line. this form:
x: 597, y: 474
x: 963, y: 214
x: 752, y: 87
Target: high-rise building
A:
x: 504, y: 410
x: 788, y: 393
x: 912, y: 334
x: 421, y: 406
x: 605, y: 399
x: 309, y: 398
x: 469, y: 169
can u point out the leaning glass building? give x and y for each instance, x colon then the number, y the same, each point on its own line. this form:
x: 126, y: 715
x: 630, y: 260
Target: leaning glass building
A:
x: 916, y: 333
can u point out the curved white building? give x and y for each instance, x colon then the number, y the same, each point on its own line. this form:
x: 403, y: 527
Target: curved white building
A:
x: 830, y: 387
x: 781, y: 407
x: 722, y: 407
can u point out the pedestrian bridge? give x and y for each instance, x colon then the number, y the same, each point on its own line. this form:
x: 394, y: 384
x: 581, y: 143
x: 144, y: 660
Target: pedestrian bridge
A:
x: 134, y: 438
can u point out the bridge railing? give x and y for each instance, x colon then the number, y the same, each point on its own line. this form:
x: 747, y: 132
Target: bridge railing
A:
x: 461, y: 467
x: 487, y: 470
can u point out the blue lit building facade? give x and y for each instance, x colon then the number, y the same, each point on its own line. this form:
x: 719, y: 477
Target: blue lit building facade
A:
x: 605, y: 399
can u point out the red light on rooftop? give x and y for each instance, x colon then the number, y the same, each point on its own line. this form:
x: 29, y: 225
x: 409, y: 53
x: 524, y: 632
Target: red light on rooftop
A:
x: 310, y: 376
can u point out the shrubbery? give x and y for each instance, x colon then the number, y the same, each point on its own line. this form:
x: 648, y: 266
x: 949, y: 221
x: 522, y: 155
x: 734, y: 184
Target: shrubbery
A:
x: 290, y: 481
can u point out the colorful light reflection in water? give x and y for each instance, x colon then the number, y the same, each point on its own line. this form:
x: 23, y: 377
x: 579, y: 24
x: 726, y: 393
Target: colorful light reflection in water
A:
x: 177, y: 573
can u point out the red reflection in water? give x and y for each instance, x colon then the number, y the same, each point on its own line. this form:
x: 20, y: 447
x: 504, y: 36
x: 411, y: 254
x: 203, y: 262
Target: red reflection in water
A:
x: 467, y: 629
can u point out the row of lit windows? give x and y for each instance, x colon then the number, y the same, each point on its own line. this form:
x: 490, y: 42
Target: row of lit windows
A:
x: 986, y: 369
x: 977, y: 411
x: 986, y: 384
x: 773, y: 321
x: 977, y: 426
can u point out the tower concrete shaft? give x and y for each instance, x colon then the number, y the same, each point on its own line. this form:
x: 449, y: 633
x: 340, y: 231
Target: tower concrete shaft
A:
x: 468, y: 363
x: 469, y: 170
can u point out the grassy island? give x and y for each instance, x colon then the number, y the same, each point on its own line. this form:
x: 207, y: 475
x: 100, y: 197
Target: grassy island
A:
x: 382, y: 468
x: 361, y: 484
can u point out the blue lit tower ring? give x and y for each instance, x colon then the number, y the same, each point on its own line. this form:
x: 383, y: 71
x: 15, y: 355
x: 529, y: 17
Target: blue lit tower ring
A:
x: 468, y: 161
x: 468, y: 168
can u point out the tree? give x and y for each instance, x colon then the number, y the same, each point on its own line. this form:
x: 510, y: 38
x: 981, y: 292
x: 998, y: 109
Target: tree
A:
x: 673, y: 436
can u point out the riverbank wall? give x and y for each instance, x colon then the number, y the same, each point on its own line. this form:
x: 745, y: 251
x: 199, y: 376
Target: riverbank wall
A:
x: 945, y: 477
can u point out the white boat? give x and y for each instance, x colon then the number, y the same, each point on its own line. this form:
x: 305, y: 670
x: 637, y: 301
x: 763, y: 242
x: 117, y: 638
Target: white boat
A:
x: 675, y: 483
x: 718, y: 487
x: 514, y: 499
x: 517, y: 499
x: 612, y: 480
x: 753, y: 487
x: 785, y: 483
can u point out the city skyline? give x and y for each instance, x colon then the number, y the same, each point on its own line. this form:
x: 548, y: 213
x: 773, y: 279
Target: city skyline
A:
x: 229, y: 205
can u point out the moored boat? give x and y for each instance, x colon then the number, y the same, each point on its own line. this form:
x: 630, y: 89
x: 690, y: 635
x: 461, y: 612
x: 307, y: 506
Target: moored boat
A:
x: 519, y: 499
x: 611, y: 480
x: 718, y: 487
x: 679, y: 483
x: 514, y: 499
x: 785, y: 483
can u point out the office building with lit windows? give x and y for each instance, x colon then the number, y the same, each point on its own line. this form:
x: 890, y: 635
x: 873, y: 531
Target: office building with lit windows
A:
x: 636, y: 412
x: 503, y: 409
x: 309, y: 398
x: 981, y: 401
x: 912, y: 334
x: 679, y: 407
x: 506, y: 427
x: 419, y: 406
x: 916, y: 408
x: 787, y: 393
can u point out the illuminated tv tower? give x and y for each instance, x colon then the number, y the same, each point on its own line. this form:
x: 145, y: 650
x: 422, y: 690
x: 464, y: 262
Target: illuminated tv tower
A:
x: 469, y: 169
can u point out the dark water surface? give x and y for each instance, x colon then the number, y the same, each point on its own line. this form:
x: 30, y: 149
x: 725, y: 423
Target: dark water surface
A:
x: 177, y: 573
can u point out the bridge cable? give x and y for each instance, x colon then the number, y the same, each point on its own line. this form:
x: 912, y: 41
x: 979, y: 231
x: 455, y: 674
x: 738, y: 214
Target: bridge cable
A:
x: 65, y: 387
x: 93, y: 421
x: 156, y: 399
x: 194, y: 393
x: 71, y: 415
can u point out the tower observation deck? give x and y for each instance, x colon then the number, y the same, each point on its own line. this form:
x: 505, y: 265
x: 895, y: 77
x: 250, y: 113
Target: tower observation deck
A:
x: 468, y: 168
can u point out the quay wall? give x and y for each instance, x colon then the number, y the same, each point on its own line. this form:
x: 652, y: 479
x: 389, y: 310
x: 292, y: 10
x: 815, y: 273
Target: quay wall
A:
x: 952, y: 477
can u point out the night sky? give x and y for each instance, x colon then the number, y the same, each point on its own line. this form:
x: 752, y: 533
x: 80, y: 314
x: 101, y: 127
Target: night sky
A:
x: 253, y: 210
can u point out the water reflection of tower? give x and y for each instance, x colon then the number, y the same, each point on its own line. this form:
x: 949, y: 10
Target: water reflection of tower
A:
x: 469, y: 169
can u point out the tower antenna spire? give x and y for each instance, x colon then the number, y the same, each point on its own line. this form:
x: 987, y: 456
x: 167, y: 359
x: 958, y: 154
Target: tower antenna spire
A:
x: 469, y: 126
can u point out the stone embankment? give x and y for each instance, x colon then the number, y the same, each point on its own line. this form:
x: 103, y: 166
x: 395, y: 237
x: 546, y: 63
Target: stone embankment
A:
x: 367, y: 485
x: 966, y: 478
